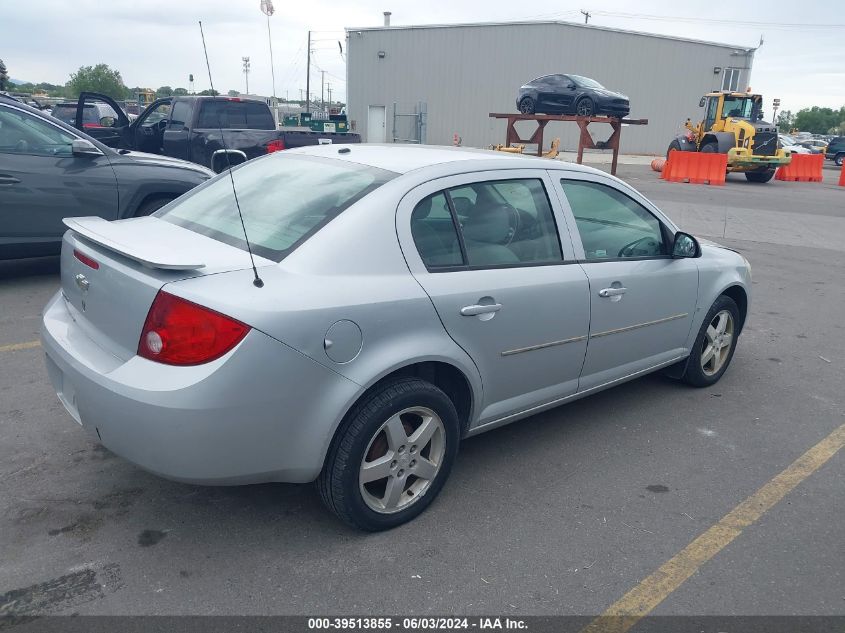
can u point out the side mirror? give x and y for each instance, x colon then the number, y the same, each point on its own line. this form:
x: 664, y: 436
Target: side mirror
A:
x: 572, y: 86
x: 83, y: 147
x: 162, y: 125
x: 107, y: 121
x: 685, y: 245
x: 701, y: 103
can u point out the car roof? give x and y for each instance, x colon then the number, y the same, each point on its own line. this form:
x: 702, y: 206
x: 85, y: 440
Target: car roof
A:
x: 405, y: 158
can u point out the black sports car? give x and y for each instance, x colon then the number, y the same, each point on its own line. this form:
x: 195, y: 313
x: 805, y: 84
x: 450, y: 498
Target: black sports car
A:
x: 570, y: 94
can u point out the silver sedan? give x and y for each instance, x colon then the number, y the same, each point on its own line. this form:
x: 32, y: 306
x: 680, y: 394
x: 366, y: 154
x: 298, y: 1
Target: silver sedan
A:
x: 402, y: 299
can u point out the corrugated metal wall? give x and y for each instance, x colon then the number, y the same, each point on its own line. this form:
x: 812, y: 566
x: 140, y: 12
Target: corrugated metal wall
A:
x: 465, y: 72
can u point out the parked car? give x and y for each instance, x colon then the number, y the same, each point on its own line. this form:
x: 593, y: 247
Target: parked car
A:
x: 190, y: 128
x: 570, y: 94
x: 408, y: 297
x: 836, y: 150
x: 788, y: 143
x: 94, y: 115
x: 49, y: 171
x: 815, y: 146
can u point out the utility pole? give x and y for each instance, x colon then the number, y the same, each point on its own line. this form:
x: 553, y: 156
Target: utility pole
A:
x: 587, y: 15
x: 323, y: 89
x: 308, y: 77
x: 246, y: 72
x: 329, y: 90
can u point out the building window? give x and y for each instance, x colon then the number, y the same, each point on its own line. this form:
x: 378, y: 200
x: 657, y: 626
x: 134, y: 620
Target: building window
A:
x: 730, y: 79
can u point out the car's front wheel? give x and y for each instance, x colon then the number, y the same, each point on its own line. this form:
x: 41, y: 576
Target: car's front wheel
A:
x: 585, y: 107
x: 714, y: 346
x: 391, y: 456
x: 839, y: 159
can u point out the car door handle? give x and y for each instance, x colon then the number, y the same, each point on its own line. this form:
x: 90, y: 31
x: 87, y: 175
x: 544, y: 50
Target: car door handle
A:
x: 612, y: 292
x: 8, y: 180
x: 477, y: 309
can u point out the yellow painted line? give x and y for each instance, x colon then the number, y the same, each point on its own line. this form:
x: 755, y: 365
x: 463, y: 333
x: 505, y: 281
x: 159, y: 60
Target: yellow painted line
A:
x: 17, y: 346
x: 650, y: 592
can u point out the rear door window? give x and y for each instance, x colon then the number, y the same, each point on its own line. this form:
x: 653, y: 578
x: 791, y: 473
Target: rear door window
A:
x: 501, y: 223
x: 231, y: 114
x: 284, y: 199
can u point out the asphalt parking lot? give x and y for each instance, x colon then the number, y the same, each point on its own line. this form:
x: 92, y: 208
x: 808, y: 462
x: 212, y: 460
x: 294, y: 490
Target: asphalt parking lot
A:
x: 564, y: 513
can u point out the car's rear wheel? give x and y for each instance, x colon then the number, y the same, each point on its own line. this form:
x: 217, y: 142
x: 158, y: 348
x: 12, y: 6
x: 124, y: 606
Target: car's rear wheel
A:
x: 391, y: 456
x: 840, y: 158
x: 760, y: 176
x: 714, y: 346
x: 527, y: 105
x: 585, y: 107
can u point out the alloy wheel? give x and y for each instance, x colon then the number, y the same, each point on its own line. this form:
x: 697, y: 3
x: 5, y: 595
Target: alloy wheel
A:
x: 402, y: 460
x: 585, y: 107
x: 716, y: 346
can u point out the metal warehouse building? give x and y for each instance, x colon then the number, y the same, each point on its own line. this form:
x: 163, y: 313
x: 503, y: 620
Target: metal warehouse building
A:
x: 428, y: 83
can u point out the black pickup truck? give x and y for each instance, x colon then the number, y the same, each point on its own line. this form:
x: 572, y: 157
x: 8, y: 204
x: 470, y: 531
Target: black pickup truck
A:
x: 190, y: 128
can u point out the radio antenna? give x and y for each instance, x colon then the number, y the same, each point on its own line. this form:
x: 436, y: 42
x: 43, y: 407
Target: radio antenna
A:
x: 257, y: 282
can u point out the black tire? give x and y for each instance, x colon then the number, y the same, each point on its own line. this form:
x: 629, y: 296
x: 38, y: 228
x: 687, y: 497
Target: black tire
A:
x: 338, y: 482
x: 151, y: 206
x: 585, y: 107
x: 710, y: 148
x: 527, y: 105
x: 673, y: 146
x: 695, y: 373
x: 760, y: 176
x: 839, y: 159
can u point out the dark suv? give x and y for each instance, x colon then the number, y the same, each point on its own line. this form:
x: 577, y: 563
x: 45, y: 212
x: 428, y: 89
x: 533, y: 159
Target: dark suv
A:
x: 836, y: 150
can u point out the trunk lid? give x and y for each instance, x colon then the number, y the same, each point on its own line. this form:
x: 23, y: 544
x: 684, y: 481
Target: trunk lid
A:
x: 128, y: 261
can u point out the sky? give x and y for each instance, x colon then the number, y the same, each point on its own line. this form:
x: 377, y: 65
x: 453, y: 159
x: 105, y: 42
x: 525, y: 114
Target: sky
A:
x: 157, y: 42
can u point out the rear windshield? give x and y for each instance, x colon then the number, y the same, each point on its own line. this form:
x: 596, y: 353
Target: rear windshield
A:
x: 284, y: 199
x: 241, y: 115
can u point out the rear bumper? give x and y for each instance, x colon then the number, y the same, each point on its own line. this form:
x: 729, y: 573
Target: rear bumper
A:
x: 263, y: 412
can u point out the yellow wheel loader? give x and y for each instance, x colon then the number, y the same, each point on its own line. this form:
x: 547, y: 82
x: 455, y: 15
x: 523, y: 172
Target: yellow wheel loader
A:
x: 733, y: 125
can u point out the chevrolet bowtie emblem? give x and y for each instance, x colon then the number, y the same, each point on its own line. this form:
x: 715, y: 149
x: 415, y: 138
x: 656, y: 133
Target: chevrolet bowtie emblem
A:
x: 82, y: 282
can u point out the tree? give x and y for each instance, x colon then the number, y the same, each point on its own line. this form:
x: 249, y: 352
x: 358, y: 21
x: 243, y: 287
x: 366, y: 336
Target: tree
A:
x: 233, y: 93
x: 208, y: 93
x: 4, y: 75
x: 164, y: 91
x: 180, y: 92
x: 818, y: 120
x: 99, y: 78
x: 785, y: 120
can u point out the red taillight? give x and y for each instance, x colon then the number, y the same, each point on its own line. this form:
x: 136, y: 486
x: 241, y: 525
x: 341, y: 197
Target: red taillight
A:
x: 88, y: 126
x: 86, y: 260
x: 275, y: 146
x: 178, y: 332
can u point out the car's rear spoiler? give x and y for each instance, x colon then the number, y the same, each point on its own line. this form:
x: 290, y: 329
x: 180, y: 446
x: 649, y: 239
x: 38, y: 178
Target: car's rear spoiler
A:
x: 150, y: 241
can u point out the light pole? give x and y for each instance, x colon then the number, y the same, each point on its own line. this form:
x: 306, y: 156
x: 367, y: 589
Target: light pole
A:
x: 268, y: 10
x: 246, y: 72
